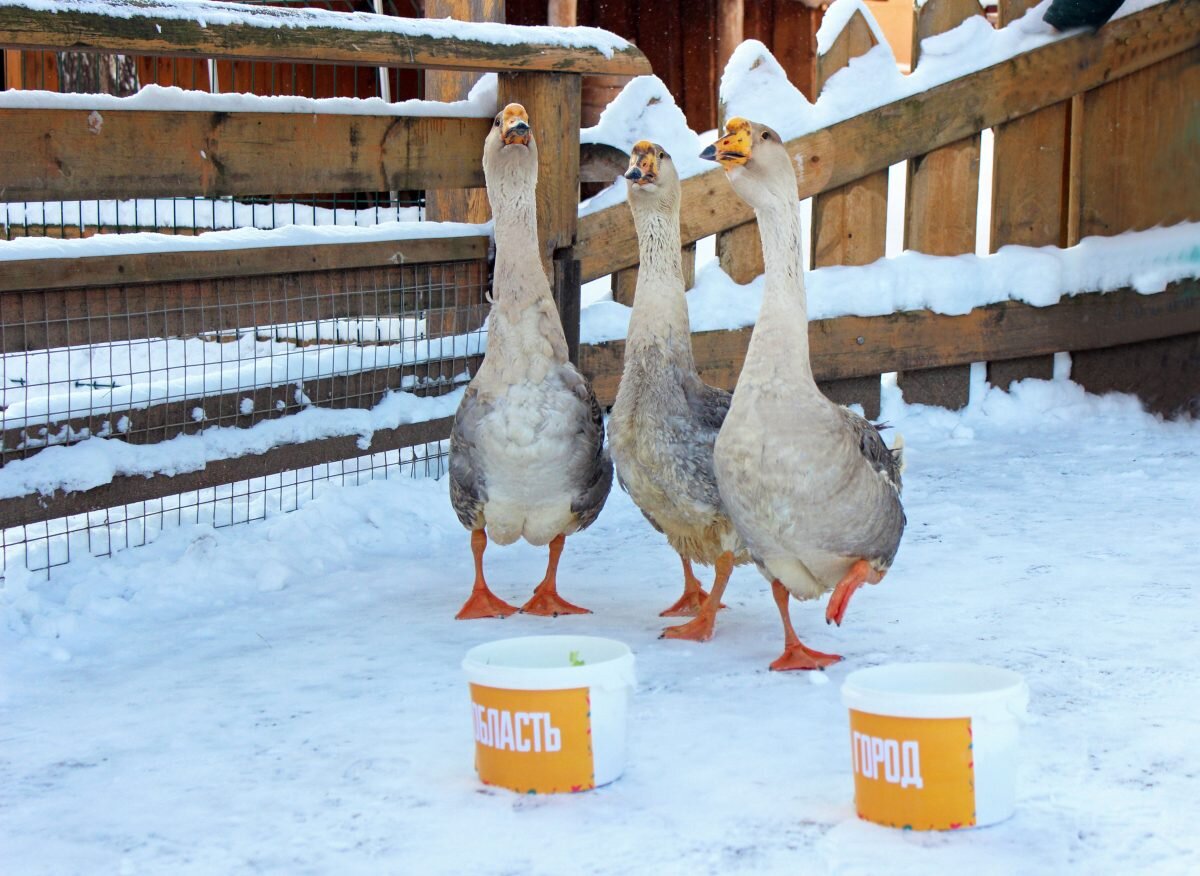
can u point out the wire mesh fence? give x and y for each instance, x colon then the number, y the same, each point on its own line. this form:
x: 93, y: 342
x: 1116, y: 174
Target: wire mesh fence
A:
x: 148, y: 362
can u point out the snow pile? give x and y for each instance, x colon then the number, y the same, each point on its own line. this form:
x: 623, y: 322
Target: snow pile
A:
x: 1146, y: 261
x: 95, y: 462
x: 286, y: 697
x: 244, y: 15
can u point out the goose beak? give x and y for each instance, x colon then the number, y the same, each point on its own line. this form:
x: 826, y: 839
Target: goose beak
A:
x: 643, y: 164
x: 514, y: 125
x: 732, y: 150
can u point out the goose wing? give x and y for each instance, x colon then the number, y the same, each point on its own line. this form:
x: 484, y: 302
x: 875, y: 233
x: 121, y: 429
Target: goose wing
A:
x: 598, y: 476
x: 468, y: 487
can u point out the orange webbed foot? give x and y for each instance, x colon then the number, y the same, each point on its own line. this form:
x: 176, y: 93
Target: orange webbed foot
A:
x: 796, y: 656
x: 547, y: 603
x: 688, y: 605
x: 483, y: 603
x: 699, y: 629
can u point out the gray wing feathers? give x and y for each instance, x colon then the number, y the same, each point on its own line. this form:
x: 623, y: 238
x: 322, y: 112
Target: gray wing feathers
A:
x: 468, y: 491
x: 877, y: 454
x: 599, y: 473
x: 885, y: 522
x: 708, y: 404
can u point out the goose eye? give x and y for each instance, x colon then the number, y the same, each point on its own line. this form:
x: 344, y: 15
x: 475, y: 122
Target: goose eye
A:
x: 496, y: 124
x: 766, y: 135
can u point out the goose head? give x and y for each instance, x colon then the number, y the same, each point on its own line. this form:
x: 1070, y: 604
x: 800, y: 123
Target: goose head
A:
x: 651, y: 179
x: 509, y: 151
x: 756, y: 162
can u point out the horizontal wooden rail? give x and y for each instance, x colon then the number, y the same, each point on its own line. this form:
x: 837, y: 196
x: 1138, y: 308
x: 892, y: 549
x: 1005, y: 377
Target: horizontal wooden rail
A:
x: 853, y: 346
x: 157, y: 27
x: 66, y: 273
x: 69, y: 154
x: 127, y: 489
x: 874, y: 140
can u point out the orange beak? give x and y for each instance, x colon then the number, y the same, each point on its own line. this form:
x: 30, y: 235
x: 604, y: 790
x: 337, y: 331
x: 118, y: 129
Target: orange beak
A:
x: 514, y: 125
x: 643, y: 163
x: 733, y: 149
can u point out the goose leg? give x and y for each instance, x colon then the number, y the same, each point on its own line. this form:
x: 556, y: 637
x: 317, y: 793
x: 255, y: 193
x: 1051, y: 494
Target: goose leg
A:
x: 700, y: 629
x: 545, y: 601
x: 795, y: 654
x: 482, y: 602
x: 860, y: 573
x: 693, y: 597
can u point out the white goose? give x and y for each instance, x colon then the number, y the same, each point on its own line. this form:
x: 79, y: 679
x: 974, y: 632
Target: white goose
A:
x: 665, y: 419
x: 810, y: 485
x: 527, y: 454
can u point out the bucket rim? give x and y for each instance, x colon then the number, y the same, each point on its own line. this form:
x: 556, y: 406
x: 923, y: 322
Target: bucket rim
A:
x: 615, y: 669
x: 864, y: 690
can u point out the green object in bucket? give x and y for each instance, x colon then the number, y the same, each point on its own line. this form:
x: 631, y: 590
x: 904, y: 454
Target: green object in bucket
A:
x: 575, y: 659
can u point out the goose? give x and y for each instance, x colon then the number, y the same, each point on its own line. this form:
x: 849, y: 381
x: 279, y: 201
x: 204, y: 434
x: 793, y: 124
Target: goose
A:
x: 665, y: 419
x: 811, y: 486
x: 527, y: 453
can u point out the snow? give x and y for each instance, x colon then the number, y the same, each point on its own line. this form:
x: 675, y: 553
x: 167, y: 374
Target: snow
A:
x: 285, y: 697
x: 97, y: 461
x: 240, y: 238
x: 207, y: 13
x: 479, y: 103
x: 1146, y: 261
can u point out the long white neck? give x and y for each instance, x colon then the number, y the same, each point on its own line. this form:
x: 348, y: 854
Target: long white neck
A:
x: 518, y: 260
x: 660, y: 315
x: 781, y: 335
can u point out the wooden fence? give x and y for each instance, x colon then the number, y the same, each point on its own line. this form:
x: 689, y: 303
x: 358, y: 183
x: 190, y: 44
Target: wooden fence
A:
x: 1093, y: 135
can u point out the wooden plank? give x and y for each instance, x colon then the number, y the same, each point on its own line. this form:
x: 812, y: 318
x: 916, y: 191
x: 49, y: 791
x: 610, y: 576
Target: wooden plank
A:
x: 849, y: 222
x: 56, y: 155
x: 740, y: 253
x: 1140, y: 162
x: 294, y: 35
x: 1029, y: 191
x: 458, y: 205
x: 853, y: 346
x: 64, y: 273
x: 46, y: 319
x: 125, y: 490
x: 854, y: 390
x: 1163, y: 373
x: 942, y: 198
x: 731, y: 30
x: 701, y: 77
x: 794, y: 43
x: 875, y: 140
x: 624, y: 285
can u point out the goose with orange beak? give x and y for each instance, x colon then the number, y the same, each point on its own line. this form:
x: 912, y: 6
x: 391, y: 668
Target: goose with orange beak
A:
x: 527, y: 453
x: 665, y: 419
x: 811, y: 486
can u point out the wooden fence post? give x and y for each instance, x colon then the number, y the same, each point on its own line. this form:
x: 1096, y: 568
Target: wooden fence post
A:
x: 1129, y: 130
x: 1029, y: 191
x: 849, y: 224
x: 553, y: 103
x: 457, y: 205
x: 942, y: 198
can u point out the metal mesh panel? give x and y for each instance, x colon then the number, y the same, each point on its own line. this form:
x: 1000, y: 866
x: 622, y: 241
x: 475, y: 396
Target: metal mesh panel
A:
x: 148, y: 362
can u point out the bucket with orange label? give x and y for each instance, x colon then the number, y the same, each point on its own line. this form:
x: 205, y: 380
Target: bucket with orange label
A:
x: 549, y: 712
x: 934, y: 746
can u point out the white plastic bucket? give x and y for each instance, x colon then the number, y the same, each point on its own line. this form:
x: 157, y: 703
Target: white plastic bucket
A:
x: 934, y: 746
x: 550, y: 712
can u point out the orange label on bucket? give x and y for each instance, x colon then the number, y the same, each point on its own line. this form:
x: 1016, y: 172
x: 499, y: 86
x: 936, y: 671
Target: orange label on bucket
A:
x: 913, y: 773
x: 533, y: 741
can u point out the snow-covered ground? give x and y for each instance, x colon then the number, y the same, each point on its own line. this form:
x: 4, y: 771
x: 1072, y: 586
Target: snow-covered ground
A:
x: 285, y: 697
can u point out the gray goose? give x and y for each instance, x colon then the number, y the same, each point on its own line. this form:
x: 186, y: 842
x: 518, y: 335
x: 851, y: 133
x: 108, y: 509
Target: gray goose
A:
x: 811, y: 486
x: 527, y: 454
x: 665, y: 419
